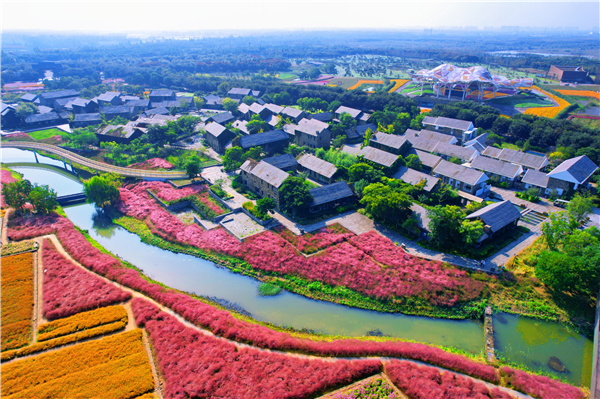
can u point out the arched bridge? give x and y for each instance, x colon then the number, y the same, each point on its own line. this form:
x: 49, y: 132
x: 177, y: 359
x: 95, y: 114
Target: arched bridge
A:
x: 99, y: 166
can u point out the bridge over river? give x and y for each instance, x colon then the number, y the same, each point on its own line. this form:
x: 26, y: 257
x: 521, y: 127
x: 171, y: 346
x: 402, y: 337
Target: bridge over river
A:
x: 96, y: 165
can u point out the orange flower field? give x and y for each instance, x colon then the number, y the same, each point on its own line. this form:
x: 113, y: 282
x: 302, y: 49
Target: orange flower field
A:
x: 398, y: 83
x: 365, y: 82
x: 82, y: 321
x: 580, y: 93
x: 547, y: 112
x: 112, y: 367
x: 17, y: 300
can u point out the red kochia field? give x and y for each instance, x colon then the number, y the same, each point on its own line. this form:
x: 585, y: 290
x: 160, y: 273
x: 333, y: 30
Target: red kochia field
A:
x: 368, y: 263
x: 200, y: 365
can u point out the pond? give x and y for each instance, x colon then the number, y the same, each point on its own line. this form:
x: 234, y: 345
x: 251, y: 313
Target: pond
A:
x: 519, y: 340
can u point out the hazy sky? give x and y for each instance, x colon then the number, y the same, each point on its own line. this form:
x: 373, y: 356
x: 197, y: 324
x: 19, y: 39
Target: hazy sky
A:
x: 148, y: 15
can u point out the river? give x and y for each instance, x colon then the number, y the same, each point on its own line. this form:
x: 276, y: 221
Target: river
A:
x: 518, y: 339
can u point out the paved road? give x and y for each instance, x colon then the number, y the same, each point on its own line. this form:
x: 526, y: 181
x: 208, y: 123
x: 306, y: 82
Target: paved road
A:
x: 100, y: 166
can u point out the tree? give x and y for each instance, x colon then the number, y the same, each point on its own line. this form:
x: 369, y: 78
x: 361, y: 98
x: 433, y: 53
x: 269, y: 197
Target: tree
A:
x: 294, y: 196
x: 385, y: 204
x: 367, y: 138
x: 199, y: 102
x: 519, y: 129
x: 334, y: 105
x: 413, y: 162
x: 249, y: 100
x: 339, y: 141
x: 192, y: 166
x: 232, y: 159
x: 556, y: 230
x: 256, y: 125
x: 265, y: 205
x: 15, y: 194
x: 43, y: 199
x: 362, y: 170
x: 578, y: 209
x: 282, y: 98
x: 449, y: 229
x: 102, y: 191
x: 557, y: 270
x: 229, y: 104
x: 253, y: 153
x: 26, y: 109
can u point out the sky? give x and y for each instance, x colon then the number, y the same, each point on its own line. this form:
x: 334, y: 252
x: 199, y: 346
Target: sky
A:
x: 112, y: 16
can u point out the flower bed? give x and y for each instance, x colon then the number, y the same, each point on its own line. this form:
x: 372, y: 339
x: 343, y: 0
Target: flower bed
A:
x: 579, y: 93
x: 199, y: 365
x: 197, y: 194
x: 69, y: 290
x: 113, y: 367
x: 365, y: 82
x: 152, y: 164
x: 17, y: 300
x: 398, y: 83
x: 81, y: 321
x: 372, y: 388
x: 424, y: 382
x: 64, y: 340
x: 313, y: 242
x: 548, y: 112
x: 539, y: 386
x: 223, y: 323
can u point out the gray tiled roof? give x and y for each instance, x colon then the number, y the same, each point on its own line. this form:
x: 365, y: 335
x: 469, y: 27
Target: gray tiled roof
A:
x: 389, y: 140
x: 311, y: 126
x: 581, y: 168
x: 450, y: 150
x: 352, y: 111
x: 265, y: 172
x: 292, y: 112
x: 330, y: 192
x: 492, y: 152
x: 427, y: 159
x: 517, y: 157
x: 317, y: 165
x: 59, y: 94
x: 215, y: 129
x: 447, y: 122
x: 373, y: 154
x: 48, y: 116
x: 87, y: 117
x: 223, y: 117
x: 282, y: 161
x: 162, y: 93
x: 360, y: 130
x: 108, y: 96
x: 274, y: 108
x: 536, y: 178
x: 430, y: 135
x: 239, y: 91
x: 414, y: 177
x: 497, y: 167
x: 460, y: 173
x: 259, y: 139
x: 497, y: 215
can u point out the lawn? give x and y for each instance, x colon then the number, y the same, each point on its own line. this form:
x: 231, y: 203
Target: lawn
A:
x: 523, y: 101
x: 344, y: 83
x: 47, y: 133
x: 287, y: 76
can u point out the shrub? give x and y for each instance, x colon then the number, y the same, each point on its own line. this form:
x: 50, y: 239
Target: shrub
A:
x: 539, y: 386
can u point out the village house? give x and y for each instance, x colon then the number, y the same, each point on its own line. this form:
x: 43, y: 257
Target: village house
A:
x: 428, y: 161
x: 157, y: 96
x: 526, y: 160
x: 221, y: 118
x: 462, y: 178
x: 122, y: 134
x: 213, y: 101
x: 50, y: 97
x: 385, y: 159
x: 317, y: 169
x: 462, y: 130
x: 360, y: 117
x: 263, y: 178
x: 357, y: 133
x: 8, y: 116
x: 503, y: 171
x: 414, y: 177
x: 285, y: 162
x: 271, y: 142
x: 110, y: 98
x: 330, y: 197
x: 571, y: 74
x: 450, y: 151
x: 390, y: 142
x: 497, y: 218
x: 83, y: 120
x: 218, y: 136
x: 82, y: 106
x: 111, y: 112
x: 293, y: 114
x: 571, y: 174
x: 238, y: 93
x: 46, y: 119
x: 312, y: 133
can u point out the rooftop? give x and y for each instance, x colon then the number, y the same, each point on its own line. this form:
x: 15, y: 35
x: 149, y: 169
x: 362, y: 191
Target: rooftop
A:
x: 354, y: 113
x: 460, y: 173
x: 373, y: 154
x: 59, y: 94
x: 414, y: 177
x: 330, y: 192
x: 215, y: 129
x: 465, y: 154
x: 282, y: 161
x: 265, y: 171
x: 223, y: 117
x: 535, y: 178
x: 389, y: 140
x: 580, y: 168
x: 239, y: 91
x: 312, y: 126
x: 260, y: 139
x: 496, y: 167
x: 317, y: 165
x: 497, y: 215
x: 518, y: 157
x: 447, y: 122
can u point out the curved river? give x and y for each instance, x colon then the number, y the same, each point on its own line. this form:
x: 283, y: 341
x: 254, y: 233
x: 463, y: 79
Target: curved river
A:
x: 518, y: 339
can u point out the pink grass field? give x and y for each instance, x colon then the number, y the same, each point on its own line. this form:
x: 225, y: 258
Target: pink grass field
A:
x: 151, y: 164
x: 424, y: 382
x: 199, y: 365
x: 223, y: 323
x: 539, y: 386
x: 67, y: 289
x: 387, y: 272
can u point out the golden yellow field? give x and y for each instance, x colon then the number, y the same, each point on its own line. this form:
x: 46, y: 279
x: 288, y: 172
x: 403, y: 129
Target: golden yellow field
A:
x: 548, y: 112
x: 17, y: 300
x: 365, y: 81
x: 580, y: 93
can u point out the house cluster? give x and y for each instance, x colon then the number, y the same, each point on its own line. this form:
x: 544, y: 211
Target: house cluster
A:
x: 66, y: 106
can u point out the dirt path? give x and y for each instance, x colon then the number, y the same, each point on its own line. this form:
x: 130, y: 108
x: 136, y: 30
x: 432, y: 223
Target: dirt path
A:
x: 37, y: 295
x: 188, y: 324
x: 158, y: 382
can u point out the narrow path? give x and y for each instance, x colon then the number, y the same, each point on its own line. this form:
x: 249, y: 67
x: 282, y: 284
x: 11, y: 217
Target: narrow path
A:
x: 37, y: 295
x: 198, y: 329
x: 158, y: 382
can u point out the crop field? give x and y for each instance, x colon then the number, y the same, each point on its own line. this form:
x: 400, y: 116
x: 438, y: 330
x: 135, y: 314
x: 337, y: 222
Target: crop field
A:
x: 17, y: 300
x: 82, y: 321
x: 112, y: 367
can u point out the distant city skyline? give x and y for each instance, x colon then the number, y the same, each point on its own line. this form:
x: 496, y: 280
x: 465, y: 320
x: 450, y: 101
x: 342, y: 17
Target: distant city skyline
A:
x: 183, y: 16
